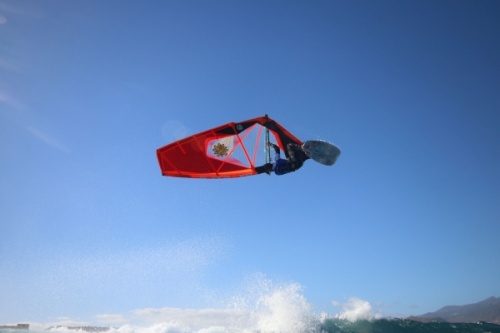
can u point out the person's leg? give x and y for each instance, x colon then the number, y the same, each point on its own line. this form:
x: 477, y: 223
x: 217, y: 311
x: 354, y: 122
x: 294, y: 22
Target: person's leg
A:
x: 297, y: 155
x: 267, y: 168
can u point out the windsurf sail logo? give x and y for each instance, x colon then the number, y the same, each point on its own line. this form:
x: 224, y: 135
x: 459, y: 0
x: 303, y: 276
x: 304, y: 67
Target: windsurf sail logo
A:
x: 220, y: 149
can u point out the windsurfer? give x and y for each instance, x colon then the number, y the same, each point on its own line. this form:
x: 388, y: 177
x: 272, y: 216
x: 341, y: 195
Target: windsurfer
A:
x: 295, y: 158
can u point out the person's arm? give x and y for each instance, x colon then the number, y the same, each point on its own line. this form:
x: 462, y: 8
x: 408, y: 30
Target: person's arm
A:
x: 276, y: 148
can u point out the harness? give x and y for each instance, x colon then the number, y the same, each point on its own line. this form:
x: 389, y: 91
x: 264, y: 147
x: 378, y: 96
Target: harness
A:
x: 281, y: 167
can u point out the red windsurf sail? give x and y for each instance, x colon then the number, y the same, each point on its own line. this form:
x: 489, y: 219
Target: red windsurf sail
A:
x: 228, y: 151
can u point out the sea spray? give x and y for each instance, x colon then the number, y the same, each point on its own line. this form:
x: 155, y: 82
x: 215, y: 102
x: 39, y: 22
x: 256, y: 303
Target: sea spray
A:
x: 356, y: 309
x: 261, y: 306
x: 284, y: 310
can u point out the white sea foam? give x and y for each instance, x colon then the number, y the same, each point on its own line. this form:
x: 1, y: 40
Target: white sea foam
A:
x: 356, y: 309
x: 284, y: 310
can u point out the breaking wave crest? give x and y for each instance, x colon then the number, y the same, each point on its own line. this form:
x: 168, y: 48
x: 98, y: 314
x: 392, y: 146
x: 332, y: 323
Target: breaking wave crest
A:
x: 357, y: 309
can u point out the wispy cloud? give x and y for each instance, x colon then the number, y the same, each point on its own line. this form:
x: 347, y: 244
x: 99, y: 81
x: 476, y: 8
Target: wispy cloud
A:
x: 174, y: 130
x: 197, y: 318
x: 111, y: 319
x: 10, y: 100
x: 48, y: 139
x: 20, y: 8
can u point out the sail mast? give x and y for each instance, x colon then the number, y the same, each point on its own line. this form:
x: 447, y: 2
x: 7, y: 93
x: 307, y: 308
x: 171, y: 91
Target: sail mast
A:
x: 266, y: 145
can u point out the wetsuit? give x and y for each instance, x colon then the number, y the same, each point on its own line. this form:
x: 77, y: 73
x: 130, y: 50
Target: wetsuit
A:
x: 294, y: 161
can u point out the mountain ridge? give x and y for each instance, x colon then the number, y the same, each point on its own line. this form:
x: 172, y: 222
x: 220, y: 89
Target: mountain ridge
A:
x: 487, y: 310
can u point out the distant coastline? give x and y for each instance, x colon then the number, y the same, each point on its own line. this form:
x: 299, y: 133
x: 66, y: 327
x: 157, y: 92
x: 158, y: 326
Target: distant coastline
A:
x: 16, y: 327
x: 90, y: 329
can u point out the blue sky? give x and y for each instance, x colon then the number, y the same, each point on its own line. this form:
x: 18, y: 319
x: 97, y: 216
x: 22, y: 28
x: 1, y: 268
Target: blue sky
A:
x: 407, y: 220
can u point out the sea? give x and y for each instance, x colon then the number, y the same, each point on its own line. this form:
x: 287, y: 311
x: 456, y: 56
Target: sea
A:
x: 275, y: 309
x: 331, y: 325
